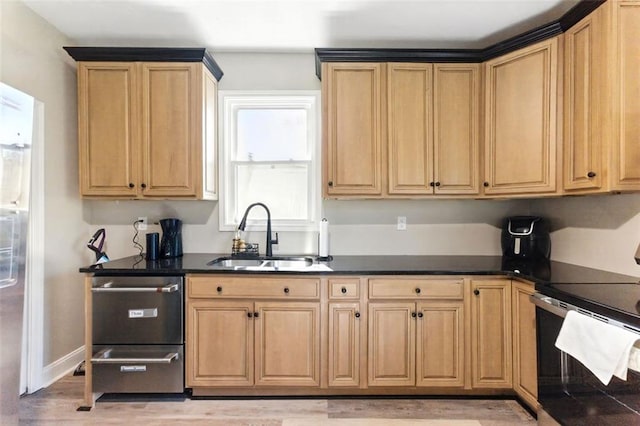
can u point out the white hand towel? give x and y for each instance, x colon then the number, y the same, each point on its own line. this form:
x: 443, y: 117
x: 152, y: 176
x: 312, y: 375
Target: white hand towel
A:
x: 602, y: 348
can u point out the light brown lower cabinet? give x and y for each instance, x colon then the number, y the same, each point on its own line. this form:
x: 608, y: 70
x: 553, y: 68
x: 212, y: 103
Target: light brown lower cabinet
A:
x: 246, y: 331
x: 344, y: 344
x: 491, y: 348
x: 416, y: 344
x: 243, y: 343
x: 525, y: 362
x: 347, y: 334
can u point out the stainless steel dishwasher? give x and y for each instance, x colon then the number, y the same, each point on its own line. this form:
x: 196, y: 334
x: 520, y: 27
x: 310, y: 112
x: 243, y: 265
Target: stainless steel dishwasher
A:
x: 138, y: 338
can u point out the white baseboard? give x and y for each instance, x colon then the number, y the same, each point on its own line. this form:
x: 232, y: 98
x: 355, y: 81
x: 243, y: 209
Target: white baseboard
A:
x: 62, y: 366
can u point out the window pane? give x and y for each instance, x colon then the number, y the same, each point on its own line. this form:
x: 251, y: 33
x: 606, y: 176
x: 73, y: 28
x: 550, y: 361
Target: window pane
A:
x: 283, y: 188
x: 271, y: 134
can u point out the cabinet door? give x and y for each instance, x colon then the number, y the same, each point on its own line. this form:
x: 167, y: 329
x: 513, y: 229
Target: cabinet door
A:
x: 171, y: 128
x: 391, y: 355
x: 353, y: 120
x: 344, y: 344
x: 219, y: 341
x: 520, y: 120
x: 287, y: 344
x: 456, y: 127
x: 583, y: 106
x: 440, y: 344
x: 525, y: 364
x: 491, y: 333
x: 107, y: 129
x: 410, y: 147
x: 626, y: 155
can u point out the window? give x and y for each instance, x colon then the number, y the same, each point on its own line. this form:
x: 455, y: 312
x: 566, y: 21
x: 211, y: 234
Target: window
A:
x: 270, y: 155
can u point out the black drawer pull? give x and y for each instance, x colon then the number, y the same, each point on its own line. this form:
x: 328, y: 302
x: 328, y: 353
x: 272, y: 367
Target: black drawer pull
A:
x: 591, y: 174
x: 420, y: 314
x: 249, y: 314
x: 486, y: 184
x: 286, y: 290
x: 413, y: 314
x: 219, y: 289
x: 357, y: 314
x: 437, y: 183
x: 418, y: 291
x: 330, y: 183
x: 255, y: 315
x: 432, y: 184
x: 143, y: 185
x: 131, y: 185
x: 476, y: 292
x: 343, y: 290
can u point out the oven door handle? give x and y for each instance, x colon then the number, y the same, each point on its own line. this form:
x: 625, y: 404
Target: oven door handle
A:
x: 543, y: 302
x: 106, y: 288
x: 102, y: 357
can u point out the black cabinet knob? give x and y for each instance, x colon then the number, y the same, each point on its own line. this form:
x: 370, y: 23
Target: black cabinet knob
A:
x: 591, y: 174
x: 413, y: 315
x: 418, y: 291
x: 420, y: 314
x: 357, y: 314
x: 486, y: 184
x: 286, y: 290
x: 143, y: 185
x: 131, y: 185
x: 476, y: 292
x: 432, y: 184
x: 219, y: 289
x: 255, y: 315
x: 330, y: 183
x: 343, y: 290
x: 437, y: 183
x: 249, y: 314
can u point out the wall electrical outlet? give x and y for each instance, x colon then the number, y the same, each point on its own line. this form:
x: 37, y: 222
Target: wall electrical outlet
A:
x: 142, y: 226
x: 402, y: 223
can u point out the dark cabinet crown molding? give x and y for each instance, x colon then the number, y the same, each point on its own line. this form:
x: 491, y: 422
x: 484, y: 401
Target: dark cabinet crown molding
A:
x: 146, y: 54
x: 552, y: 29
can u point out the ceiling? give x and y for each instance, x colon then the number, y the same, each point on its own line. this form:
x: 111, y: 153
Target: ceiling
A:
x: 296, y: 25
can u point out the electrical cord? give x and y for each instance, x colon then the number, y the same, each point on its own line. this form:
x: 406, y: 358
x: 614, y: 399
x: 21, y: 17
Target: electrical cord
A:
x: 136, y: 244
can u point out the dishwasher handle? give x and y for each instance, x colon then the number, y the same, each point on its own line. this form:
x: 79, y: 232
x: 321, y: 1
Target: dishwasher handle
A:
x: 107, y: 288
x: 102, y: 357
x: 544, y: 302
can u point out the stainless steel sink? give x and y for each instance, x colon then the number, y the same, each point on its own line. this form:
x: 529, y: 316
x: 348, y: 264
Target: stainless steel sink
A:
x: 288, y: 263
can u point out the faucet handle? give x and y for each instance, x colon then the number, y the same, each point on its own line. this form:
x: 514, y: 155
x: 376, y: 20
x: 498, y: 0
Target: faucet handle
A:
x: 275, y: 240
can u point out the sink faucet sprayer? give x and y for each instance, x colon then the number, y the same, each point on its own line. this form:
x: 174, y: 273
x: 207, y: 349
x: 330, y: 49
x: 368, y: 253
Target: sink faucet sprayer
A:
x: 270, y: 242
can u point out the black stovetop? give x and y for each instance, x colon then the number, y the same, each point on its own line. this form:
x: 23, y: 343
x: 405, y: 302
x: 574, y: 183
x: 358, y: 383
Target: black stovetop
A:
x: 620, y: 301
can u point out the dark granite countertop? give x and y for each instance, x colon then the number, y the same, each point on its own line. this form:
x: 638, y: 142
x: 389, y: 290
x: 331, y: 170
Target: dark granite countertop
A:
x: 606, y: 293
x: 543, y: 272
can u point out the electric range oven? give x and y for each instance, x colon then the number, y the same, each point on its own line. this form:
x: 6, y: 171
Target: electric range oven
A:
x: 568, y: 391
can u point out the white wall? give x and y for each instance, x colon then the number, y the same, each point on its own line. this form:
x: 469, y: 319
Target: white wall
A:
x: 33, y: 61
x: 601, y: 232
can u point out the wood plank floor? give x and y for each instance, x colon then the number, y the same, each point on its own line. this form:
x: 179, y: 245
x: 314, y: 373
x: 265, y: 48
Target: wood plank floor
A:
x: 57, y: 405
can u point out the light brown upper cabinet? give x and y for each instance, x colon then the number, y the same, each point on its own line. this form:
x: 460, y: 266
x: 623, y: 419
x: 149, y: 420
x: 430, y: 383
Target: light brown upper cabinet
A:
x: 521, y: 98
x: 353, y: 128
x: 147, y: 130
x: 433, y: 115
x: 400, y: 129
x: 601, y: 125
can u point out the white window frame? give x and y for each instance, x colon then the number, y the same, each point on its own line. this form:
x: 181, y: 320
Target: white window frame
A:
x: 230, y: 101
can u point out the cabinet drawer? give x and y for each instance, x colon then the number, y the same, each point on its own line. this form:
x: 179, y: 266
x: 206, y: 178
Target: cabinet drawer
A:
x: 404, y: 288
x: 253, y: 287
x: 344, y: 288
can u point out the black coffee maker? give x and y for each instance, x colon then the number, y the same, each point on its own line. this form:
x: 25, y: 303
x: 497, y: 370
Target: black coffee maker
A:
x: 171, y: 243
